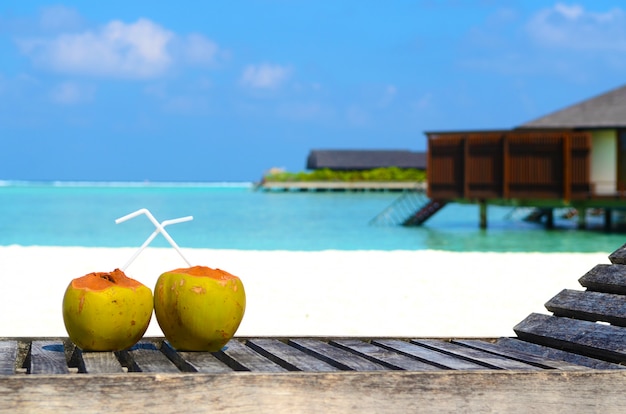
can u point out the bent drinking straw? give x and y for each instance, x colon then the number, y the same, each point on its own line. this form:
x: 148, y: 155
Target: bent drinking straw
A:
x: 160, y: 228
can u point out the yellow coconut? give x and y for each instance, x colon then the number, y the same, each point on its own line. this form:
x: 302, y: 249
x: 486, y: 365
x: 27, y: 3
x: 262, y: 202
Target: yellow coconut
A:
x: 199, y: 308
x: 106, y: 311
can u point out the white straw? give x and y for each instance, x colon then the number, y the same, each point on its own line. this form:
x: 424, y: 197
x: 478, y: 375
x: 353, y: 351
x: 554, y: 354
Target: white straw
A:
x: 160, y: 228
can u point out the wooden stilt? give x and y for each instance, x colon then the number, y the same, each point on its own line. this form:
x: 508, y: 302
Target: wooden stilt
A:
x: 549, y: 218
x: 483, y: 214
x: 582, y: 218
x: 608, y: 219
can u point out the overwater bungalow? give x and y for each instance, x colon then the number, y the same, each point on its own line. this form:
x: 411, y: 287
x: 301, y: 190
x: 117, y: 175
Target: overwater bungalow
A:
x: 574, y: 158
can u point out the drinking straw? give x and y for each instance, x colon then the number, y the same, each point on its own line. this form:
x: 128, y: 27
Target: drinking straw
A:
x: 160, y: 228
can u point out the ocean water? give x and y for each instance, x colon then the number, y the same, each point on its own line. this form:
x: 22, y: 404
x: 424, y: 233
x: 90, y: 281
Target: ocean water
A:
x: 236, y: 216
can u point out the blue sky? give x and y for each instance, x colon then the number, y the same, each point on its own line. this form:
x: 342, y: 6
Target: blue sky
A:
x: 223, y: 91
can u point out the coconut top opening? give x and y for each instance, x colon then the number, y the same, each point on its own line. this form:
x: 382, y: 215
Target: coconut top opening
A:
x: 204, y: 271
x: 104, y: 280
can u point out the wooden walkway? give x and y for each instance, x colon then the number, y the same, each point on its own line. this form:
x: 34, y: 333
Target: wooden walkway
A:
x: 319, y: 186
x: 571, y: 360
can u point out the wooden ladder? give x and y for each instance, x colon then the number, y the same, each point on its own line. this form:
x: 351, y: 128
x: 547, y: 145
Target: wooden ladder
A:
x: 424, y: 213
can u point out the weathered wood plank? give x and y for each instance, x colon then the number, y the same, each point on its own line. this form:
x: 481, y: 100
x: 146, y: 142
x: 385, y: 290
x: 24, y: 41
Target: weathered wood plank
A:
x: 486, y: 359
x: 596, y: 340
x: 618, y: 256
x: 335, y: 356
x: 48, y: 357
x: 145, y: 357
x: 606, y: 278
x: 427, y: 355
x: 383, y: 356
x: 288, y: 357
x: 242, y: 358
x: 527, y: 358
x: 298, y: 392
x: 8, y: 356
x: 22, y: 363
x: 590, y: 306
x: 547, y: 352
x: 99, y: 363
x: 195, y: 361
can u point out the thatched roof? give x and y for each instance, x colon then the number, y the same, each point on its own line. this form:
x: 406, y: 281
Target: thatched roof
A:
x: 607, y: 110
x: 365, y: 159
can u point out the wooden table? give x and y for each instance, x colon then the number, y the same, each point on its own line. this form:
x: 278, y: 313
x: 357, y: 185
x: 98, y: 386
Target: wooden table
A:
x: 570, y: 361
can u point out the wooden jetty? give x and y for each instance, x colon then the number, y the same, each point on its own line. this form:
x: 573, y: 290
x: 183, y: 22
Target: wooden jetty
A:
x: 322, y: 186
x: 571, y: 360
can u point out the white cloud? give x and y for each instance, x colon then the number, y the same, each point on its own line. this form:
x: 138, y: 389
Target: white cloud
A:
x: 264, y: 76
x: 569, y: 12
x: 573, y: 27
x: 135, y: 50
x: 557, y: 40
x: 141, y: 50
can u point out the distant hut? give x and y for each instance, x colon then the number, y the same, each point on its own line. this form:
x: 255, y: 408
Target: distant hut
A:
x: 356, y: 160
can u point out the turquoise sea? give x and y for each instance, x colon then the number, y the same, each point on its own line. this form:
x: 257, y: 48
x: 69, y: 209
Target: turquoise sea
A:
x: 236, y: 216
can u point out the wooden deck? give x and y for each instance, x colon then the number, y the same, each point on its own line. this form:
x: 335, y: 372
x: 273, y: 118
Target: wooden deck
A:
x: 304, y: 375
x: 571, y: 360
x: 341, y: 186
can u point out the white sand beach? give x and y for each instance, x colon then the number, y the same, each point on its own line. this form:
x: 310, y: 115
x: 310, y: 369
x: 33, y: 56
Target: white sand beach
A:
x: 328, y: 293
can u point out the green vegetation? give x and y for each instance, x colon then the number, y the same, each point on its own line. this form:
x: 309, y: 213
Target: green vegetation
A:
x: 325, y: 174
